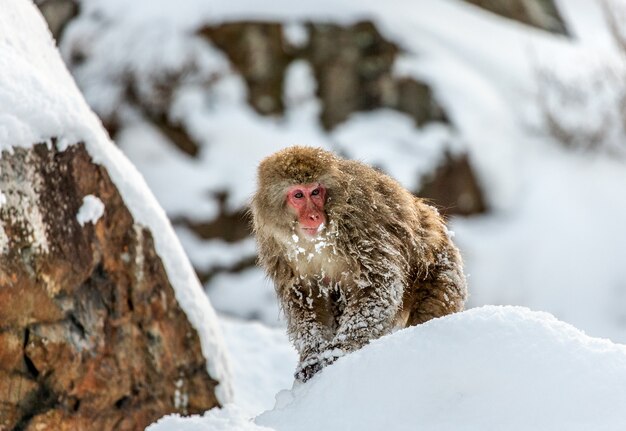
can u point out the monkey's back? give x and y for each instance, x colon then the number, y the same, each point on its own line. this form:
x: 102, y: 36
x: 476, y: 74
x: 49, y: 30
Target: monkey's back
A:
x: 433, y: 275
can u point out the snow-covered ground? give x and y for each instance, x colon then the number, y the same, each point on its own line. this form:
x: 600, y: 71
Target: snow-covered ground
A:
x: 263, y: 362
x: 489, y: 368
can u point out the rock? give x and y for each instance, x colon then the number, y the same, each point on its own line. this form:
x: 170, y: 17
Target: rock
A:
x: 57, y: 14
x: 352, y: 66
x: 542, y: 14
x: 454, y: 187
x: 258, y: 51
x: 91, y: 334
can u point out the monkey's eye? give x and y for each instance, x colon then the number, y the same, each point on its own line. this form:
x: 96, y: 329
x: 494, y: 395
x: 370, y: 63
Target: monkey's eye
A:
x: 298, y: 195
x: 315, y: 192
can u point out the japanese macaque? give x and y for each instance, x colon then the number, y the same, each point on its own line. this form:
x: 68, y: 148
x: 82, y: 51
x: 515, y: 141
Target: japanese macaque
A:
x: 353, y: 254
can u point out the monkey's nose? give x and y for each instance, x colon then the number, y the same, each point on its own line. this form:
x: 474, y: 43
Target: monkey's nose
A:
x: 314, y: 217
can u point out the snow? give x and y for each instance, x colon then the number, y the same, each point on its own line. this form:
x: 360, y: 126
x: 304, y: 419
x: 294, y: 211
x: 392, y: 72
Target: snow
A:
x: 489, y: 368
x: 207, y: 255
x: 41, y: 99
x: 228, y: 418
x: 90, y: 211
x: 262, y: 364
x: 248, y: 294
x: 561, y: 257
x: 152, y: 155
x: 296, y: 34
x: 422, y: 148
x: 43, y: 102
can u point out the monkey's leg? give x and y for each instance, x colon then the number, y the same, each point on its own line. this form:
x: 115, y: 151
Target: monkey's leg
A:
x: 443, y: 292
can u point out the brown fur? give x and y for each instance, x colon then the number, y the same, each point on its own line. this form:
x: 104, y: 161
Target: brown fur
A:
x: 384, y: 260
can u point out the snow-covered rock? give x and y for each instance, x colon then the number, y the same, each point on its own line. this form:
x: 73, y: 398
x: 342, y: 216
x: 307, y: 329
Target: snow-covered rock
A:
x: 104, y: 323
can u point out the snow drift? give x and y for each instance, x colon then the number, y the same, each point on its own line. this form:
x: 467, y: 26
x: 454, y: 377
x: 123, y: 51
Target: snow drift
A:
x: 489, y: 368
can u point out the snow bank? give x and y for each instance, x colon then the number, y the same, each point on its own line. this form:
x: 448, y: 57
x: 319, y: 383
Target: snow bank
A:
x: 38, y: 97
x: 489, y: 368
x: 228, y: 418
x: 263, y: 362
x: 40, y: 101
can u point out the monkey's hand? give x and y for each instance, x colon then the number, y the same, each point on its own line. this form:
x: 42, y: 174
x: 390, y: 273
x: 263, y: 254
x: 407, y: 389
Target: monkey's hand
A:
x: 307, y: 369
x: 312, y: 365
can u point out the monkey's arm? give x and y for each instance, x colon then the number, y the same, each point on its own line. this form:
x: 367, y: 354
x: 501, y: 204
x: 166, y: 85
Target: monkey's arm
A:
x: 372, y: 304
x: 370, y: 313
x: 371, y: 308
x: 308, y: 327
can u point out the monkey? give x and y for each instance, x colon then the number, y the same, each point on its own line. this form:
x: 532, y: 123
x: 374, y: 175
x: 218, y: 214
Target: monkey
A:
x: 353, y: 255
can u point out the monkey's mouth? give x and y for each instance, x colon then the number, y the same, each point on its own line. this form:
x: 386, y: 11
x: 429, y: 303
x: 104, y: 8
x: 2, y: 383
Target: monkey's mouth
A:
x: 312, y: 231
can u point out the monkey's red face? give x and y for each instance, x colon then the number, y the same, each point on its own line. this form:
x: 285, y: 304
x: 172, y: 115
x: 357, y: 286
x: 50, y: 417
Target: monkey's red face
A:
x: 307, y: 201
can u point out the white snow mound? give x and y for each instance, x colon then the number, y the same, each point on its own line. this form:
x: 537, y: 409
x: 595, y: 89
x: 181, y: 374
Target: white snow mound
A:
x: 489, y: 368
x: 229, y: 418
x: 90, y: 211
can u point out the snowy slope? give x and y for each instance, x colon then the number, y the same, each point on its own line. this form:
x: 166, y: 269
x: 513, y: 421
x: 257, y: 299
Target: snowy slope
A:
x: 490, y: 368
x: 40, y: 101
x: 263, y: 363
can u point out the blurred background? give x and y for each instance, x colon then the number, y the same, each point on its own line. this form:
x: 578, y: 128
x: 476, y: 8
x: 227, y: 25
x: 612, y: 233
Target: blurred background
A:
x: 509, y: 116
